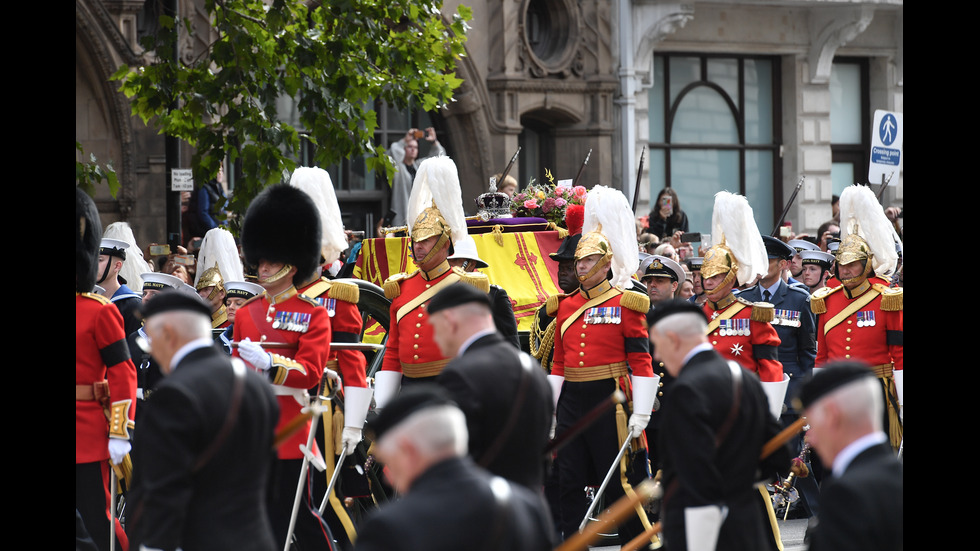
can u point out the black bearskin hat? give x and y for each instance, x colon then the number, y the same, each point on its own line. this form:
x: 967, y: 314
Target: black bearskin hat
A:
x: 282, y: 224
x: 88, y: 236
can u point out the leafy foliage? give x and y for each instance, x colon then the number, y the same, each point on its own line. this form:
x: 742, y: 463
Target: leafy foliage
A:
x: 91, y: 173
x: 334, y: 58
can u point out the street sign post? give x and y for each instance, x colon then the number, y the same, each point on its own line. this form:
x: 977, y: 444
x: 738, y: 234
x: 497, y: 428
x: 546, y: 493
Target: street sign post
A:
x: 886, y: 147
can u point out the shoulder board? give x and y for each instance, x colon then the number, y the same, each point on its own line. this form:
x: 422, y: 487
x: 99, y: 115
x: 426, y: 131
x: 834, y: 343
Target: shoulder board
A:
x: 799, y: 289
x: 476, y: 279
x: 638, y: 302
x: 392, y: 286
x: 761, y: 311
x: 817, y: 304
x: 551, y: 305
x: 307, y: 299
x: 345, y: 291
x: 318, y: 288
x: 891, y: 299
x: 96, y: 297
x: 745, y: 290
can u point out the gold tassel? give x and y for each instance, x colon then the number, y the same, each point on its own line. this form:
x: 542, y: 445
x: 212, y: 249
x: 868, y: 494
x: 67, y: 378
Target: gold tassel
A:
x: 338, y: 429
x: 345, y: 291
x: 562, y: 232
x: 498, y: 234
x: 891, y: 299
x: 763, y: 311
x: 638, y: 302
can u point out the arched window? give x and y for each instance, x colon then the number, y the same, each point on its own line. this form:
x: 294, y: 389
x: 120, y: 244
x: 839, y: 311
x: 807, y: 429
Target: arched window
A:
x: 714, y: 127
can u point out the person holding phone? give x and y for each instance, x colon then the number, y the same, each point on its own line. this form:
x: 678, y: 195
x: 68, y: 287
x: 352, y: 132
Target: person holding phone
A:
x: 667, y: 218
x: 405, y: 156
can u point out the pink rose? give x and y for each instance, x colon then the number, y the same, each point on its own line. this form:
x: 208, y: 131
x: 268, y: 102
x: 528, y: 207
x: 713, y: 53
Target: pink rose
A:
x: 580, y: 192
x: 531, y: 204
x: 559, y: 202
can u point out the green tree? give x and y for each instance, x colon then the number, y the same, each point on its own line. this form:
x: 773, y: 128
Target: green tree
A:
x: 334, y: 58
x: 91, y: 173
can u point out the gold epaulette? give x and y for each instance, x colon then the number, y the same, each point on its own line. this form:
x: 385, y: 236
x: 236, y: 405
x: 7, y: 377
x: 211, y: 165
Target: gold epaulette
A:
x: 891, y: 299
x: 761, y: 311
x: 476, y: 279
x: 345, y: 291
x: 551, y: 305
x: 393, y: 287
x: 252, y: 299
x: 97, y: 297
x: 817, y: 304
x: 638, y: 302
x: 319, y: 287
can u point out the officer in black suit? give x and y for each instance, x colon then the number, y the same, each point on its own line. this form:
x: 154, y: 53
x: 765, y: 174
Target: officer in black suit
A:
x: 503, y: 391
x: 204, y: 449
x: 447, y: 502
x: 862, y: 504
x: 712, y: 434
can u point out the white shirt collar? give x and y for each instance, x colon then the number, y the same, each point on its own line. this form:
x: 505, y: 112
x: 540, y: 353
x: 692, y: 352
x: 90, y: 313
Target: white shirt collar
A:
x: 852, y: 450
x: 187, y: 349
x: 466, y: 344
x: 701, y: 347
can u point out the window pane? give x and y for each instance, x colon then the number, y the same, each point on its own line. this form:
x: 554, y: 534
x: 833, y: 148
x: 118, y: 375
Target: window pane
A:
x: 658, y: 171
x: 758, y: 101
x: 724, y: 73
x: 758, y: 188
x: 841, y: 176
x: 656, y: 102
x: 683, y: 71
x: 845, y: 103
x: 697, y: 176
x: 704, y: 117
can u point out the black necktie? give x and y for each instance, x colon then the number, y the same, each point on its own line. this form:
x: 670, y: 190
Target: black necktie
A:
x: 766, y: 295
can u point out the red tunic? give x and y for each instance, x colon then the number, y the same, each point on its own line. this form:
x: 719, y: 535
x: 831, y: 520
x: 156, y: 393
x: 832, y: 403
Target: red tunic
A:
x: 346, y: 326
x: 303, y: 323
x: 411, y: 348
x: 101, y: 353
x: 753, y: 344
x: 600, y: 337
x: 870, y: 333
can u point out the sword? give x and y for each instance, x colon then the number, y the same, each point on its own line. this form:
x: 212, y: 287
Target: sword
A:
x: 614, y: 516
x: 510, y: 165
x: 333, y: 345
x: 333, y: 479
x: 112, y: 508
x: 617, y: 397
x: 612, y: 469
x: 581, y: 169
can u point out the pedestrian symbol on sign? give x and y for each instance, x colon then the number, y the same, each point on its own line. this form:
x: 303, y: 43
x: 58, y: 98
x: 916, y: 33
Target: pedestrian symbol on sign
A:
x: 887, y: 129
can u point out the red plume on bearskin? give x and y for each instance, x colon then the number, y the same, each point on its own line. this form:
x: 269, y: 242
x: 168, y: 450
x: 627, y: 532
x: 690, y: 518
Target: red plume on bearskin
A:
x: 574, y: 218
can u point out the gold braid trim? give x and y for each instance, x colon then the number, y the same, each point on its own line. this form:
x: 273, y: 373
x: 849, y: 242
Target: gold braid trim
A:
x: 763, y: 311
x: 119, y: 423
x: 891, y: 299
x: 817, y: 299
x: 551, y: 305
x: 345, y: 291
x: 545, y: 343
x: 476, y: 279
x: 96, y: 297
x: 392, y: 286
x: 562, y: 232
x: 638, y: 302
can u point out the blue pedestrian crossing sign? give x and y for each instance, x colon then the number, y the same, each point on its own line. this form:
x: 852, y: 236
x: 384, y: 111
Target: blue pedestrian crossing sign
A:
x: 886, y: 146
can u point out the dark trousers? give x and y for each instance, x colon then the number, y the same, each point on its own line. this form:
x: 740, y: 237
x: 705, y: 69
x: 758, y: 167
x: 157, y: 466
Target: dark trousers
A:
x: 309, y: 532
x: 585, y: 460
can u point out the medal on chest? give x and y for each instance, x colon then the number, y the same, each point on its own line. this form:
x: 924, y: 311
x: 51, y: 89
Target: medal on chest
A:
x: 603, y: 315
x: 330, y: 304
x: 734, y: 328
x: 298, y: 322
x: 866, y: 318
x: 788, y: 318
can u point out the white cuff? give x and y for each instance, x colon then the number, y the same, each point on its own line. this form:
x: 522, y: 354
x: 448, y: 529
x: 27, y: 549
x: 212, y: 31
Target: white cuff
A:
x: 898, y: 375
x: 386, y: 385
x: 556, y: 382
x: 644, y: 393
x: 357, y: 402
x: 776, y: 393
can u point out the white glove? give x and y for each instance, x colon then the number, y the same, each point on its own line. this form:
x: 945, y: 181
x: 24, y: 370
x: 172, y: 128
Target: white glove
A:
x: 357, y: 401
x: 554, y: 424
x: 350, y: 438
x: 556, y: 382
x: 254, y: 354
x: 898, y: 375
x: 118, y: 448
x: 638, y: 422
x: 644, y: 395
x: 386, y: 385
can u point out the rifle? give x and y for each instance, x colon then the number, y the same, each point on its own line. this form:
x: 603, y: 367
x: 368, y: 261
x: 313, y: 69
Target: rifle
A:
x: 582, y: 168
x: 639, y: 174
x: 775, y: 230
x: 510, y: 165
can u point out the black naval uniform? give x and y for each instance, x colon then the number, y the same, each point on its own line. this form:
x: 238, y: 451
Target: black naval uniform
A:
x: 195, y: 485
